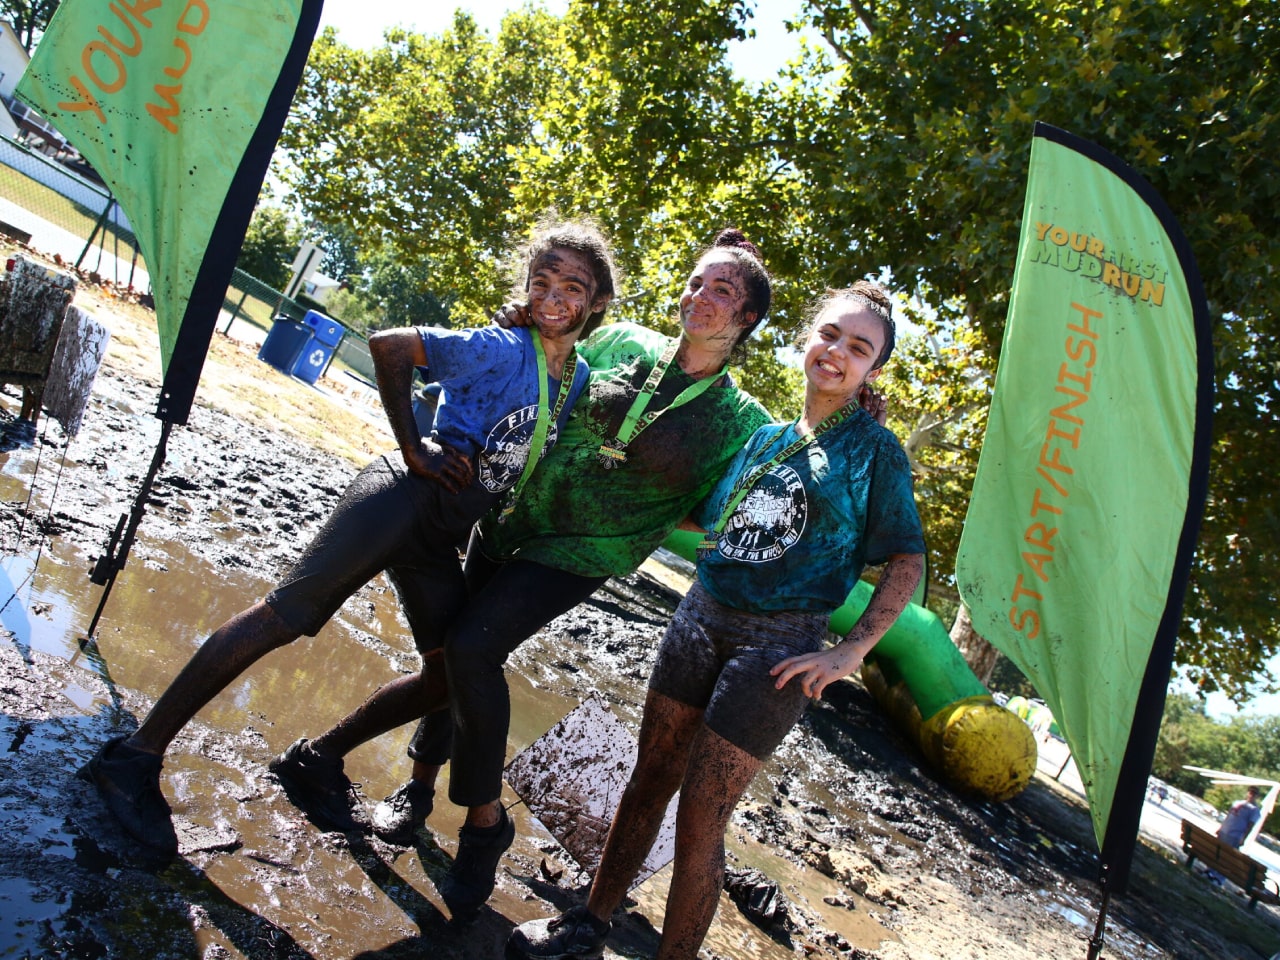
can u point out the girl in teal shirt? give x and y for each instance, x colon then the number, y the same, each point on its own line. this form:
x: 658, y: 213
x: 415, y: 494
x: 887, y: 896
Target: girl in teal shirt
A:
x: 788, y: 530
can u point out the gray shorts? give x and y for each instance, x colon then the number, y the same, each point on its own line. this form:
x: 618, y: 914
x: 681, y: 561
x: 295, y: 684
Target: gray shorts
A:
x: 718, y: 659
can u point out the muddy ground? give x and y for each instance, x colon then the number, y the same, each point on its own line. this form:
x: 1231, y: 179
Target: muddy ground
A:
x: 874, y: 856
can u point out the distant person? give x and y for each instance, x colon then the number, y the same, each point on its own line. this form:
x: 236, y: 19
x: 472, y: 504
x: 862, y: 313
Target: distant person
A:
x: 1240, y: 819
x: 787, y: 532
x: 505, y: 397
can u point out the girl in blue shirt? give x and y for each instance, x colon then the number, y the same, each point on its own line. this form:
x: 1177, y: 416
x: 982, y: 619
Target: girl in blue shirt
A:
x: 504, y: 397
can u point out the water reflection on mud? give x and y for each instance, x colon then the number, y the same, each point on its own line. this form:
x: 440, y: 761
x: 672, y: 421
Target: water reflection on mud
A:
x: 255, y: 878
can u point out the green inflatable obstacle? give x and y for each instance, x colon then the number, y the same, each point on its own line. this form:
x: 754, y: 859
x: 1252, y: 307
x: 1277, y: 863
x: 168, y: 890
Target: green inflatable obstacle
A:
x: 920, y: 679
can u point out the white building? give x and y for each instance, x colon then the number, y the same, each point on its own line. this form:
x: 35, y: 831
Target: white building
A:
x: 13, y: 63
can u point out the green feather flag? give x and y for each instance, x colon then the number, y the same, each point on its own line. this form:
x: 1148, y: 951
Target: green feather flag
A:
x: 178, y: 106
x: 1093, y: 473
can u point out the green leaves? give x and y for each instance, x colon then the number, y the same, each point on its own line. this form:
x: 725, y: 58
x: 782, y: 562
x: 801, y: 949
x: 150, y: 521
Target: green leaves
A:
x: 935, y: 104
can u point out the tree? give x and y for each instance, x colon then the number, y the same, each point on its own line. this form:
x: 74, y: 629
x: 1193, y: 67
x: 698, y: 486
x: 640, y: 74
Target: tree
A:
x: 413, y: 145
x: 352, y: 310
x: 342, y: 251
x: 651, y: 127
x: 269, y: 247
x: 447, y: 148
x: 917, y: 146
x: 29, y: 19
x: 404, y: 294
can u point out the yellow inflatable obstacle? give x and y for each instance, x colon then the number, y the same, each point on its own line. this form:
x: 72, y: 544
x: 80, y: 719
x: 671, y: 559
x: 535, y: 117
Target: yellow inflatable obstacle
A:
x: 920, y: 679
x: 922, y: 682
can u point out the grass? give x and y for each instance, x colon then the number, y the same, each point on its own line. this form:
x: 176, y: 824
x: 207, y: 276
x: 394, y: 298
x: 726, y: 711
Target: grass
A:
x: 247, y: 307
x: 56, y: 208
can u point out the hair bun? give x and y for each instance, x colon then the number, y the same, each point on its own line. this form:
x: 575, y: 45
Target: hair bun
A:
x: 733, y: 237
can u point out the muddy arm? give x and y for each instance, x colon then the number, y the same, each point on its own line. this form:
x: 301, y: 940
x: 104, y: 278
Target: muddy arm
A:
x: 395, y: 355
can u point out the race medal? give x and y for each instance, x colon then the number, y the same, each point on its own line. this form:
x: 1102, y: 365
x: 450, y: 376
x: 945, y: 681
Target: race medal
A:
x: 707, y: 545
x: 612, y: 453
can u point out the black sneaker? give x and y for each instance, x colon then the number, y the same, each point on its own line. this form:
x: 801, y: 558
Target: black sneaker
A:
x: 470, y: 880
x: 128, y: 781
x: 317, y: 786
x: 398, y: 817
x: 574, y: 935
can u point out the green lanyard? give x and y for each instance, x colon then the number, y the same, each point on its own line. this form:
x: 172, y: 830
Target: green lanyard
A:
x: 613, y: 452
x: 751, y: 476
x: 545, y: 417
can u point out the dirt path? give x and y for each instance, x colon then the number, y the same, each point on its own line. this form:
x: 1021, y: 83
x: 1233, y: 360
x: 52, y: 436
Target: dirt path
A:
x: 876, y: 858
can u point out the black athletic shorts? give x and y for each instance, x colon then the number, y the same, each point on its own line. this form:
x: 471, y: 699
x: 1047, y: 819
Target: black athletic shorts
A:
x: 393, y: 520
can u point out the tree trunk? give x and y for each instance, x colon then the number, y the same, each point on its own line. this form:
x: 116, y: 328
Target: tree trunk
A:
x: 980, y: 655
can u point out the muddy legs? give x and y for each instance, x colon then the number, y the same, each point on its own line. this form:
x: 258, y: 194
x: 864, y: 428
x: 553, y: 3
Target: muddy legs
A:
x: 392, y: 705
x: 676, y: 751
x: 718, y: 774
x: 229, y: 651
x: 666, y: 735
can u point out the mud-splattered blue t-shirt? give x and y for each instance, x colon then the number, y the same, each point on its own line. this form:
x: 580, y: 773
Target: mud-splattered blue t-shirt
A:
x: 487, y: 397
x: 800, y: 538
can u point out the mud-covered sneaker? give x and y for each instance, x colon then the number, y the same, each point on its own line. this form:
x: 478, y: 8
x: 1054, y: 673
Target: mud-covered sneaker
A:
x: 398, y: 817
x: 128, y: 781
x: 317, y: 786
x: 471, y: 878
x: 574, y: 935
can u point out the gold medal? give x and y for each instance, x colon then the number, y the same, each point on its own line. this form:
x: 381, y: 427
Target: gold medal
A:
x: 612, y: 453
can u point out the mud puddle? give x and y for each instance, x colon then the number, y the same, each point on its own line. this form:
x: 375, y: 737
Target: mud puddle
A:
x: 874, y: 857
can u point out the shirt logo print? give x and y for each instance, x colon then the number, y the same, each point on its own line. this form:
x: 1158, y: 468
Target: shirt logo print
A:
x: 507, y: 448
x: 769, y: 520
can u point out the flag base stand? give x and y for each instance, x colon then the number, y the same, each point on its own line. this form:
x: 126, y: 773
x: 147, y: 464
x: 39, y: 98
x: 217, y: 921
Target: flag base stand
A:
x: 1099, y: 938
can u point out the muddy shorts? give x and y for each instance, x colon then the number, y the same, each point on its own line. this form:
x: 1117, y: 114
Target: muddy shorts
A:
x: 390, y: 520
x: 718, y: 659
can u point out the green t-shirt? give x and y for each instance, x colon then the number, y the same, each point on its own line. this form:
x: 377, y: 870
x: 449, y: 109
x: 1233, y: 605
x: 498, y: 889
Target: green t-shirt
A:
x: 576, y: 515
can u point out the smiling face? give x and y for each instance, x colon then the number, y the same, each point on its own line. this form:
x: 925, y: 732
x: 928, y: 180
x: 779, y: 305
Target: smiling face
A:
x: 562, y: 293
x: 842, y: 349
x: 711, y: 306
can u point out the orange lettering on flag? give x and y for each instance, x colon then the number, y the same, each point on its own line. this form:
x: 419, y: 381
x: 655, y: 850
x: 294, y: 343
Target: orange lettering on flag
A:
x: 1075, y: 381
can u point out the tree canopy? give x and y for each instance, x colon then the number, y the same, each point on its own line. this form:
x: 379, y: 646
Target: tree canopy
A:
x: 269, y: 246
x: 29, y: 18
x: 896, y: 147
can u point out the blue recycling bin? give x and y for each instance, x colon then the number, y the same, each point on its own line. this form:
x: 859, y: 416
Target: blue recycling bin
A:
x: 325, y: 334
x: 284, y: 344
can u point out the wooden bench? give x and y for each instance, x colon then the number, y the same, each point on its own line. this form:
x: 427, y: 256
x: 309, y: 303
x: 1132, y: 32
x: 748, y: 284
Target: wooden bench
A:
x: 1240, y: 868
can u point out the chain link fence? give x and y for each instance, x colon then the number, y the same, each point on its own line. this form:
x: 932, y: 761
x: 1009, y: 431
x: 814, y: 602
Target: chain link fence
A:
x: 86, y: 227
x: 71, y: 213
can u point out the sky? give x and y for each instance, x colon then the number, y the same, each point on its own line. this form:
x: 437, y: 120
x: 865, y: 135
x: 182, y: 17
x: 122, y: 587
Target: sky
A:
x: 360, y: 23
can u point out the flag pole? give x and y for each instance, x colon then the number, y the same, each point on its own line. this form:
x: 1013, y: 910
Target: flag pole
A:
x: 109, y: 565
x: 1099, y: 938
